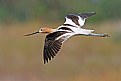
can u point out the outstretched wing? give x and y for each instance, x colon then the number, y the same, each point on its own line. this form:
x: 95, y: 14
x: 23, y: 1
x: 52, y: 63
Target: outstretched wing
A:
x: 86, y: 14
x: 53, y: 43
x: 78, y: 19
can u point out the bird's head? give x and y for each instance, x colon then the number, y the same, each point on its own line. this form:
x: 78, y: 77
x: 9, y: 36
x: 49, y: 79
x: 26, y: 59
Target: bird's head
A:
x: 42, y: 30
x: 46, y: 30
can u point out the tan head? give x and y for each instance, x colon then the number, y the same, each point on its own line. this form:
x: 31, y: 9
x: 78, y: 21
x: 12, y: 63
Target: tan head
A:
x: 46, y: 30
x: 42, y: 30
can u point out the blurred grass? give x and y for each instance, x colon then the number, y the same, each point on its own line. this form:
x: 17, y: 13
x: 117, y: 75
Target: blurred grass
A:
x: 21, y: 10
x: 80, y: 59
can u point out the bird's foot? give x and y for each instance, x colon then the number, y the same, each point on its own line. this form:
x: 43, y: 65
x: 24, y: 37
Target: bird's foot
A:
x: 105, y: 35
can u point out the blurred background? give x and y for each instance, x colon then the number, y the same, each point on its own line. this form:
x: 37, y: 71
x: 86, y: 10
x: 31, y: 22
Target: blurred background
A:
x: 80, y: 59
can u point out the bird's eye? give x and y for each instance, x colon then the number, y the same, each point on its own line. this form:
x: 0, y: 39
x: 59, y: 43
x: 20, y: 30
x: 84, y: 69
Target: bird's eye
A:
x: 41, y: 29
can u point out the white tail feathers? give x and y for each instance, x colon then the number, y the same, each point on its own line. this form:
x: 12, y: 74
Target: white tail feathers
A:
x: 91, y: 31
x: 86, y: 31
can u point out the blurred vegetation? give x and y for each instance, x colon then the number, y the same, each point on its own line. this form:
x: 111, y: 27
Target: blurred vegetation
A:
x: 81, y: 58
x: 54, y: 10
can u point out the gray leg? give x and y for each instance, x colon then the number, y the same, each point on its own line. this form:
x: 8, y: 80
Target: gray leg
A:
x: 100, y: 35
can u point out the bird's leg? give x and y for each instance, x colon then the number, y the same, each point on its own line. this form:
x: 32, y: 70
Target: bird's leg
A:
x: 99, y: 35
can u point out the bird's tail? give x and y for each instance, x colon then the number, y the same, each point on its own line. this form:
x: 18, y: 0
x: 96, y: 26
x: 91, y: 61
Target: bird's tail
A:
x: 87, y: 31
x: 91, y: 31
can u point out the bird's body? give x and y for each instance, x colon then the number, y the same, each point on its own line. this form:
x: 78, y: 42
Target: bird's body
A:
x: 72, y: 26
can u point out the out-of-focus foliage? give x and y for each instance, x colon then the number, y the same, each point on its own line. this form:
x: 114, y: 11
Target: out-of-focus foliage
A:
x: 21, y: 10
x: 82, y: 58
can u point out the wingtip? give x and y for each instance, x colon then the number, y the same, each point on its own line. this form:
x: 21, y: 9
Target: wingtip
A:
x: 93, y: 13
x: 44, y: 62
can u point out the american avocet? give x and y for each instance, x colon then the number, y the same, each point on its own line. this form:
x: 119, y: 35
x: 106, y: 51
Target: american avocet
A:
x: 71, y: 27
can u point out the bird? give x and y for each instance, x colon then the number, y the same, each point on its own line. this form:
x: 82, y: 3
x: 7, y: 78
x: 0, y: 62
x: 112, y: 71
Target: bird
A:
x: 72, y: 26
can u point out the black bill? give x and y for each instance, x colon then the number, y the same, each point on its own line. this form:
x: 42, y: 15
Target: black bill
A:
x: 32, y: 33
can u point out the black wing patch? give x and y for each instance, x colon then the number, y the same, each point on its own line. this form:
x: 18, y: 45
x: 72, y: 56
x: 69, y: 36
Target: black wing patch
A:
x: 65, y: 28
x: 52, y: 46
x: 51, y: 50
x: 68, y: 25
x: 86, y: 15
x: 74, y: 18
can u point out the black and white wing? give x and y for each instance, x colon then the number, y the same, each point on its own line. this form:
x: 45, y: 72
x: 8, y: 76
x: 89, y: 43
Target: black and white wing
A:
x: 53, y: 43
x: 86, y: 15
x: 78, y: 19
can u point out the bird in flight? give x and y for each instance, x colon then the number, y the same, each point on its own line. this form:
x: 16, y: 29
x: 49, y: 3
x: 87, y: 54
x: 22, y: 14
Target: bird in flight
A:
x: 72, y: 26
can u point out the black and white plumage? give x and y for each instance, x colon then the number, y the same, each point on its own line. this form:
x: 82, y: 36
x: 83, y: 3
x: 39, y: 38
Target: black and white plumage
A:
x: 71, y: 27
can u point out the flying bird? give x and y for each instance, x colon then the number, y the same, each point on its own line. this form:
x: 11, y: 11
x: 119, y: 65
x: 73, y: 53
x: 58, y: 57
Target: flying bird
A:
x: 72, y: 26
